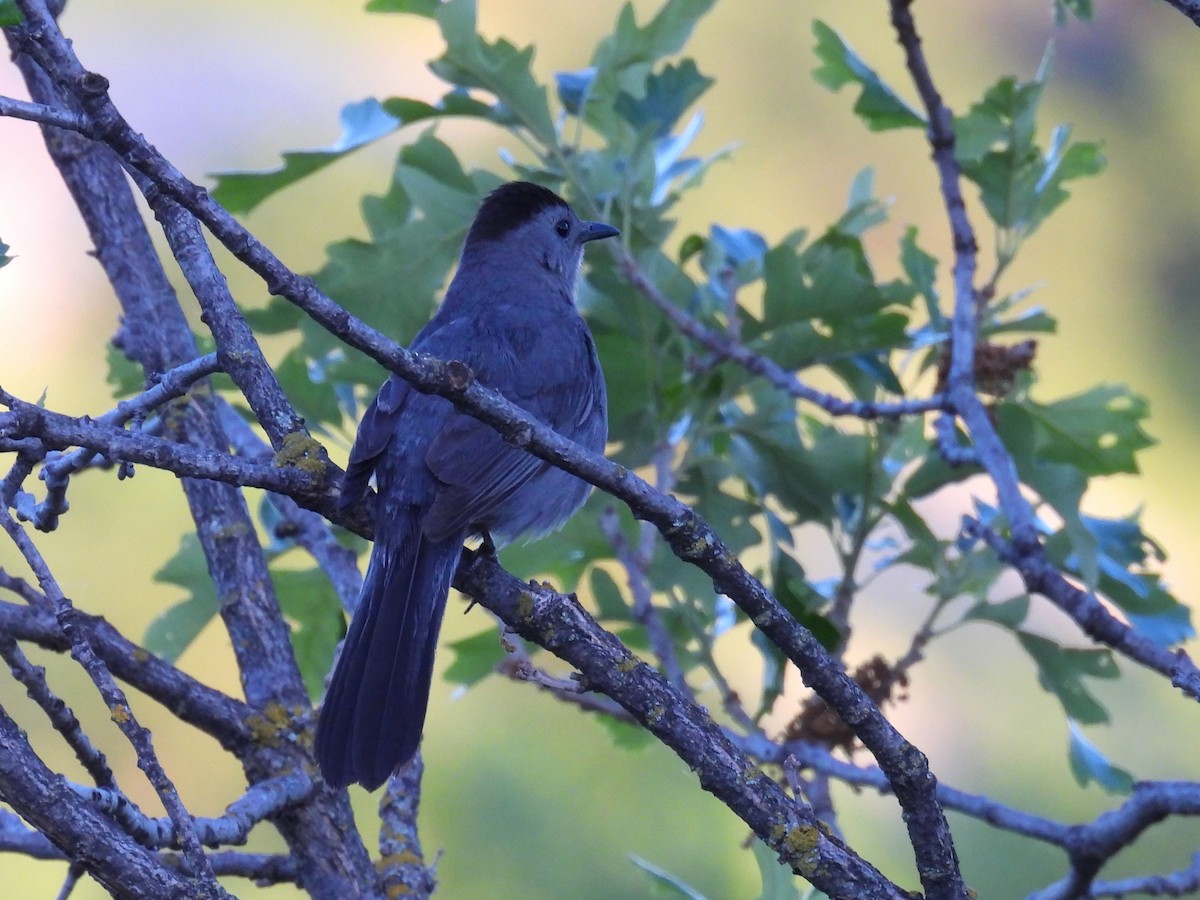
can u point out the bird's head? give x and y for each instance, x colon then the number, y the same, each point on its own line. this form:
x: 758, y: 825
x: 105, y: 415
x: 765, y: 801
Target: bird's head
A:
x: 522, y: 225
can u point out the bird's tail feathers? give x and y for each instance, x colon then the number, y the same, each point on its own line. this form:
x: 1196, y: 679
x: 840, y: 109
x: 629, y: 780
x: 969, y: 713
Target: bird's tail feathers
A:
x: 374, y: 710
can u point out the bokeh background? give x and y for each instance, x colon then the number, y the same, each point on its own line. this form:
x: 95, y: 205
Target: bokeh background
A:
x: 529, y: 799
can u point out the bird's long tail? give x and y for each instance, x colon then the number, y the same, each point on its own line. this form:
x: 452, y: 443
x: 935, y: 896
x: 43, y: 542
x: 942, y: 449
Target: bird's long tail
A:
x: 374, y: 710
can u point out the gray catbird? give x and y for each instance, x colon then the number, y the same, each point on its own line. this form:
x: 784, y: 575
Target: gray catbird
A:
x: 441, y: 475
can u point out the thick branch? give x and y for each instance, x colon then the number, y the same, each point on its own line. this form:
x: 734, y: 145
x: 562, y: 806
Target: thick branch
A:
x: 331, y: 859
x: 59, y: 431
x: 198, y: 705
x: 84, y: 834
x: 564, y: 628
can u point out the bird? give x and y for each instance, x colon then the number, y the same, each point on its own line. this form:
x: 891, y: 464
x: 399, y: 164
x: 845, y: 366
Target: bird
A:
x: 442, y: 476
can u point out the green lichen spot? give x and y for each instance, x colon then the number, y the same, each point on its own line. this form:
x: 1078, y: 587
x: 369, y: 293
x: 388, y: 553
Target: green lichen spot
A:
x: 300, y: 451
x: 627, y: 665
x: 232, y: 532
x: 800, y: 847
x: 397, y: 860
x: 268, y: 727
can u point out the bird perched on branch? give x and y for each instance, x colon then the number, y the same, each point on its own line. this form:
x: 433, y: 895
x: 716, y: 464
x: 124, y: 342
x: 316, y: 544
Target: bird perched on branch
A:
x: 509, y: 314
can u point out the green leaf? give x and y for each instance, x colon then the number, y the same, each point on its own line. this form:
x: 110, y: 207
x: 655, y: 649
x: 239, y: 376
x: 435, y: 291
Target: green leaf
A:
x: 667, y: 96
x: 774, y: 667
x: 425, y: 8
x: 802, y: 602
x: 5, y: 259
x: 455, y: 103
x: 566, y: 555
x: 573, y: 88
x: 1088, y: 764
x: 663, y: 35
x: 1010, y: 613
x: 309, y: 388
x: 621, y: 65
x: 610, y: 602
x: 778, y: 880
x: 935, y: 473
x: 279, y: 316
x: 690, y: 246
x: 805, y: 480
x: 314, y: 615
x: 475, y: 658
x: 863, y: 210
x: 831, y: 279
x: 1098, y: 431
x: 124, y: 375
x: 1081, y: 9
x: 1151, y: 609
x: 971, y: 575
x: 498, y: 67
x: 1061, y: 484
x: 1119, y: 554
x: 173, y: 630
x: 673, y: 884
x: 626, y: 735
x: 878, y: 105
x: 9, y: 13
x: 392, y: 280
x: 1019, y: 184
x: 707, y: 480
x: 1060, y: 164
x: 1006, y: 118
x: 362, y: 123
x: 921, y: 269
x: 1061, y: 671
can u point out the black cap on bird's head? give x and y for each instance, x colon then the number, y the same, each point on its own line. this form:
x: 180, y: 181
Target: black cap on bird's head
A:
x: 511, y: 205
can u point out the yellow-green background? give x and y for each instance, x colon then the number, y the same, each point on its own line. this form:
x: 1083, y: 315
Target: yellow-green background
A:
x: 526, y: 797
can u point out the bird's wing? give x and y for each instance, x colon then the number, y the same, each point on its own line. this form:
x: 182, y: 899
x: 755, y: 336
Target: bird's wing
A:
x: 475, y: 467
x: 374, y: 433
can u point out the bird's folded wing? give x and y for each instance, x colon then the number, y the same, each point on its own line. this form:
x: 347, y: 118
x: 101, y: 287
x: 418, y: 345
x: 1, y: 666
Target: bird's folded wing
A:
x: 374, y: 432
x: 476, y: 471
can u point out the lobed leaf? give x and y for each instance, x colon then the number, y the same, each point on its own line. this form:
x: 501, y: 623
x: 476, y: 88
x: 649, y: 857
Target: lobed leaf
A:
x: 174, y: 630
x: 362, y: 123
x: 497, y: 67
x: 1062, y: 671
x: 314, y: 616
x: 879, y: 106
x: 475, y: 658
x: 1088, y: 764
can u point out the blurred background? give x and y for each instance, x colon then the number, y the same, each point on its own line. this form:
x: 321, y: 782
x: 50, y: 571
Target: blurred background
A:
x: 528, y: 798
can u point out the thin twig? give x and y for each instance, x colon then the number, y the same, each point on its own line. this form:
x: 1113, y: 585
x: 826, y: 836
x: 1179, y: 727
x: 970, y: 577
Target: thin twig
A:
x: 726, y: 346
x: 75, y: 628
x: 43, y: 114
x: 60, y: 715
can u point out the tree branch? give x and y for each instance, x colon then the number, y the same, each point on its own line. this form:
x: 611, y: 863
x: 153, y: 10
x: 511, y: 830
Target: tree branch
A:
x: 728, y: 347
x: 75, y: 630
x: 84, y: 834
x: 43, y: 114
x: 59, y: 431
x: 321, y: 834
x: 565, y: 629
x: 261, y: 801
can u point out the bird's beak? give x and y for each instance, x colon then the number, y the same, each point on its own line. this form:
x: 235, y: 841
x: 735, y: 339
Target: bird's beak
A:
x: 594, y: 231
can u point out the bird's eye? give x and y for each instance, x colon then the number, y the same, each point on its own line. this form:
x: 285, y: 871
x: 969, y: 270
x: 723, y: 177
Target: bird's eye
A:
x: 563, y: 227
